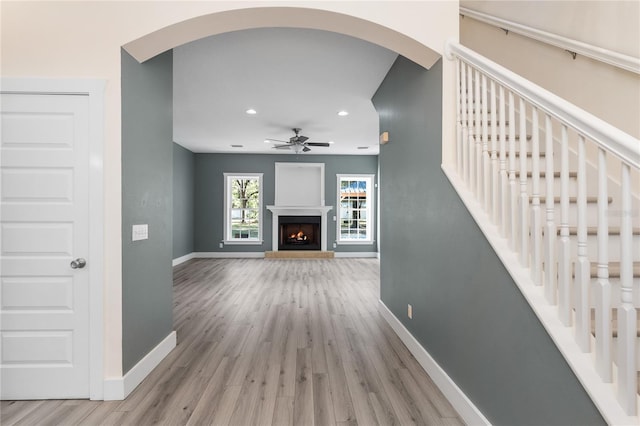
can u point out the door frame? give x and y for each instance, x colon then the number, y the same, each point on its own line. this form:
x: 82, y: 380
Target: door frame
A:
x: 94, y: 89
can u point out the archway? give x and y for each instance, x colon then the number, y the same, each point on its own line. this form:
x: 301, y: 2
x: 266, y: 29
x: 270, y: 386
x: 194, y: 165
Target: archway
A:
x: 164, y: 39
x: 147, y: 51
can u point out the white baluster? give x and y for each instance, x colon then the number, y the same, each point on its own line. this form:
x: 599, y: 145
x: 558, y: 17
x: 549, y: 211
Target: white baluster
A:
x: 627, y: 315
x: 602, y: 293
x: 478, y: 135
x: 524, y: 196
x: 495, y: 167
x: 513, y: 189
x: 536, y: 213
x: 583, y: 266
x: 485, y: 148
x: 550, y: 226
x: 458, y: 119
x: 465, y: 129
x: 564, y: 253
x: 504, y: 179
x: 472, y: 136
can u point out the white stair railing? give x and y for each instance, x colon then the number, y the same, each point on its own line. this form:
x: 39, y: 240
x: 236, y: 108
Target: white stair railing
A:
x: 496, y: 109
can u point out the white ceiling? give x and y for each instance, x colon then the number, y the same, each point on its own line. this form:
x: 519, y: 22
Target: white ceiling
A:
x: 291, y: 77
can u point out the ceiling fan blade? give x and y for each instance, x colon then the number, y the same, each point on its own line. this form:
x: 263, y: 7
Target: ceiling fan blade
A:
x: 326, y: 144
x: 302, y: 139
x: 282, y: 146
x: 276, y: 140
x: 306, y: 149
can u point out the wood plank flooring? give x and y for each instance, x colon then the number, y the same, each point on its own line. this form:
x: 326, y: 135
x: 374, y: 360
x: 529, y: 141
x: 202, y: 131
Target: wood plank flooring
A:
x: 269, y: 342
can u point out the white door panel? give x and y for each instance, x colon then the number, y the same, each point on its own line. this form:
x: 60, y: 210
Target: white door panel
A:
x: 44, y: 303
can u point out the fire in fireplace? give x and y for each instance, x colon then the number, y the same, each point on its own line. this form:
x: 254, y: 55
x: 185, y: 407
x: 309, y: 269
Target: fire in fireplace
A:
x: 299, y: 232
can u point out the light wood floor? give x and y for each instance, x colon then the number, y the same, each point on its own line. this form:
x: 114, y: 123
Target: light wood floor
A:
x: 261, y: 342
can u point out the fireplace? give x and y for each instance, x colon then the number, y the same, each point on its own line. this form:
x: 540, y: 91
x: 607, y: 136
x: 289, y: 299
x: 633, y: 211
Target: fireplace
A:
x: 299, y: 232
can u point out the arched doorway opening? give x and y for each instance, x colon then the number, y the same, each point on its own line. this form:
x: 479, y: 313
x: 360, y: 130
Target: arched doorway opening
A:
x: 137, y: 307
x: 159, y: 41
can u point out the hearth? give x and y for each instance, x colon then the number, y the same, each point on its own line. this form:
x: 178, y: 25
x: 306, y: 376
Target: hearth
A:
x: 299, y: 233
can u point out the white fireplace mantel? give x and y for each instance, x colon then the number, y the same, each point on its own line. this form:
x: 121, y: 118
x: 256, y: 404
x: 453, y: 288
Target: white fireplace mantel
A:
x: 299, y: 211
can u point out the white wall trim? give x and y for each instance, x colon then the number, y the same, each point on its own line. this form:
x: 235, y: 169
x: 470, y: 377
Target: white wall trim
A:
x: 259, y: 254
x: 602, y: 394
x: 228, y: 254
x: 182, y: 259
x: 607, y: 56
x: 373, y: 254
x: 119, y: 388
x: 463, y: 405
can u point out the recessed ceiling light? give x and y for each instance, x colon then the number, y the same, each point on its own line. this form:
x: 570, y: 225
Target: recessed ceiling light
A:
x: 363, y: 147
x: 251, y: 111
x: 343, y: 113
x: 331, y: 142
x: 237, y: 146
x: 267, y: 141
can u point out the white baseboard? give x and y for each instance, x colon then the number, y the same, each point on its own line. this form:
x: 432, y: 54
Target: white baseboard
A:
x: 229, y: 254
x: 258, y: 255
x: 462, y: 404
x: 355, y: 254
x: 184, y: 258
x: 119, y: 388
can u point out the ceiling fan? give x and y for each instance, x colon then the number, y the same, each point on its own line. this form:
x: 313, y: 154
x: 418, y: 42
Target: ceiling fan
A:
x: 298, y: 143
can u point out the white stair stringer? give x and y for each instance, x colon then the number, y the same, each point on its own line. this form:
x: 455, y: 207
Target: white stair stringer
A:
x: 602, y: 394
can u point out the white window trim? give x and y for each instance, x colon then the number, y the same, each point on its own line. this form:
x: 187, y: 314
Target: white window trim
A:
x: 370, y: 203
x: 228, y: 177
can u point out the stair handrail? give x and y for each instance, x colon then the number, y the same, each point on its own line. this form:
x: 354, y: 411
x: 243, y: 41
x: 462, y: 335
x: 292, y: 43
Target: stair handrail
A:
x: 486, y: 95
x: 608, y: 137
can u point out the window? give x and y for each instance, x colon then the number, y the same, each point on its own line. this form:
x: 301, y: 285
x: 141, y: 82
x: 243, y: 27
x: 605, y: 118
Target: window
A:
x: 243, y: 204
x: 355, y: 209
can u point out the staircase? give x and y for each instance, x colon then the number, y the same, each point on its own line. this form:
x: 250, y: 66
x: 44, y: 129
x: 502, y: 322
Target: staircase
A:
x: 555, y: 191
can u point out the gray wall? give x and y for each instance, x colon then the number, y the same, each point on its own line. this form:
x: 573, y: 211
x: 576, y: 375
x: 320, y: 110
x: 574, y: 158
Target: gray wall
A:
x: 467, y: 311
x: 183, y: 200
x: 209, y: 193
x: 147, y: 165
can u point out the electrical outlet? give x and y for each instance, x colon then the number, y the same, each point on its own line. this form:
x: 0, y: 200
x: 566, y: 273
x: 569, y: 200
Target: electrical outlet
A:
x: 410, y: 311
x: 335, y: 245
x: 221, y: 245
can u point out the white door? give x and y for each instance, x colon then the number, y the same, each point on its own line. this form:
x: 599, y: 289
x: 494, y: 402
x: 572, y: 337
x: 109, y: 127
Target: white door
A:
x: 44, y: 301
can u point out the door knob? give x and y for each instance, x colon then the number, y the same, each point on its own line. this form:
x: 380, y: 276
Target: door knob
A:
x: 79, y: 263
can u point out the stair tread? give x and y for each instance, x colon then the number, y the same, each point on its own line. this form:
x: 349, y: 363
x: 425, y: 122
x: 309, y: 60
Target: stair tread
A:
x: 544, y: 173
x: 506, y: 123
x: 614, y: 322
x: 614, y: 269
x: 572, y: 200
x: 517, y: 137
x: 530, y: 154
x: 593, y: 230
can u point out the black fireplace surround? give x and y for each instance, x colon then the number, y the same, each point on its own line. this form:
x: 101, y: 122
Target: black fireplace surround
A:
x: 299, y: 233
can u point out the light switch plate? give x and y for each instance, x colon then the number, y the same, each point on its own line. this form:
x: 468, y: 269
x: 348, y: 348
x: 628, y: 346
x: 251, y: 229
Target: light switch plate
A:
x: 139, y: 232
